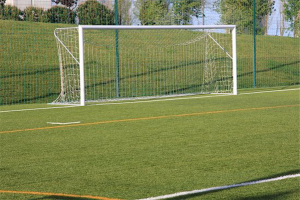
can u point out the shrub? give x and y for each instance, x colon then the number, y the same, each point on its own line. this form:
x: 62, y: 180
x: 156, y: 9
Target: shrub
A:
x: 94, y: 13
x: 34, y: 14
x: 10, y: 12
x: 59, y: 14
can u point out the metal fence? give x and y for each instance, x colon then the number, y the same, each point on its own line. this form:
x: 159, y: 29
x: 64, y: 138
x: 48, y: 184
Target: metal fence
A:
x: 268, y: 46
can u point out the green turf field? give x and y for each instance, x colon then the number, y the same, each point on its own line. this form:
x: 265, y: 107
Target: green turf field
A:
x: 139, y: 149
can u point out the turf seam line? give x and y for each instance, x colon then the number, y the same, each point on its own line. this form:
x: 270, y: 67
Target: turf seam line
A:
x: 149, y: 118
x: 194, y: 192
x: 56, y: 194
x: 148, y: 101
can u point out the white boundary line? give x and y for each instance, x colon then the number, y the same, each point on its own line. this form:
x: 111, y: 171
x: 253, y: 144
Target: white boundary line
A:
x: 33, y: 109
x: 149, y: 101
x: 63, y: 123
x: 193, y: 192
x: 269, y: 91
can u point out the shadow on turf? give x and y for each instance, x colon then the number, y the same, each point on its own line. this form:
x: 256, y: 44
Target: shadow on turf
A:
x: 279, y: 195
x: 274, y: 196
x: 48, y: 95
x: 27, y: 100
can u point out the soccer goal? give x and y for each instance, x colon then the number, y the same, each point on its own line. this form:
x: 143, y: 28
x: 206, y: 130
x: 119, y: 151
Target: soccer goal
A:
x: 101, y: 63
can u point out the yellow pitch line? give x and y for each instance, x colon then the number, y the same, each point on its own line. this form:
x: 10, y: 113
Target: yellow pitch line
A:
x: 149, y: 118
x: 56, y: 194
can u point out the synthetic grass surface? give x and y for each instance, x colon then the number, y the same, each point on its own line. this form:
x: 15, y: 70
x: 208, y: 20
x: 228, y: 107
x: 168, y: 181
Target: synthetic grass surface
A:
x: 155, y: 155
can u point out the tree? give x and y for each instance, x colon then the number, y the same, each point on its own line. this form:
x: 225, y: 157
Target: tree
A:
x: 94, y: 13
x: 265, y: 22
x: 153, y: 12
x: 184, y: 10
x: 240, y: 13
x: 59, y: 14
x: 203, y: 3
x: 281, y: 18
x: 2, y: 2
x: 11, y: 13
x: 124, y: 12
x: 67, y: 3
x: 292, y: 13
x: 34, y: 14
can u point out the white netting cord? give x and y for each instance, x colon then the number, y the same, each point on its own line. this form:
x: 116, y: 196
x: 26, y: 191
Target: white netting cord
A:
x: 68, y: 52
x: 218, y: 65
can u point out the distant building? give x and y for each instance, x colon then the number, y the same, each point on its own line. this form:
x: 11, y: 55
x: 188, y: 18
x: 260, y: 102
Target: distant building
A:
x: 46, y: 4
x: 22, y: 4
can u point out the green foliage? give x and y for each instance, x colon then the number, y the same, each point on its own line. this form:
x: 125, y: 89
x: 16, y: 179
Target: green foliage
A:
x: 2, y: 2
x: 292, y: 13
x: 124, y: 12
x: 59, y: 14
x: 10, y: 13
x: 34, y: 14
x: 240, y: 13
x: 153, y: 12
x: 93, y: 13
x: 185, y: 9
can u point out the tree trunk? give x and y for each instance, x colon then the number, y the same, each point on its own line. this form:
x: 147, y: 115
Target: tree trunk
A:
x: 282, y: 18
x: 297, y: 25
x: 203, y: 11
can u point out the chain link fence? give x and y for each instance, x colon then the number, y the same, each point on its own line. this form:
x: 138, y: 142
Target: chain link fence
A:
x: 29, y: 63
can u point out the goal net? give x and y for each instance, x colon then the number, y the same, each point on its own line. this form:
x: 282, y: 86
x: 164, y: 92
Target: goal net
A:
x: 99, y: 63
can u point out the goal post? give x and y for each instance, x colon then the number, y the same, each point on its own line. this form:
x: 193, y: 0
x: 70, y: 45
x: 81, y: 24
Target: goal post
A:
x: 145, y: 62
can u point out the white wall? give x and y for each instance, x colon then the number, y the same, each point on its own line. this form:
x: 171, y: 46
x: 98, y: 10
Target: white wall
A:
x: 46, y: 4
x: 22, y: 4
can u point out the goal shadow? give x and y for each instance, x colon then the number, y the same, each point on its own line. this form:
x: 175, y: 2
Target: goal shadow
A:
x: 276, y: 195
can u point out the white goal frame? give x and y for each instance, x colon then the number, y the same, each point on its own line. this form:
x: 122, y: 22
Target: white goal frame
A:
x: 81, y: 29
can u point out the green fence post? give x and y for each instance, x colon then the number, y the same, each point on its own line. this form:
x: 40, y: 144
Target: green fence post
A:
x: 254, y: 45
x: 117, y: 51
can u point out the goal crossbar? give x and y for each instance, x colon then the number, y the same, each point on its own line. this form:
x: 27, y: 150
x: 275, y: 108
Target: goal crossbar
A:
x: 124, y: 27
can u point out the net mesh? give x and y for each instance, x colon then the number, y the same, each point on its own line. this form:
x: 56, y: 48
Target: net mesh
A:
x: 145, y: 63
x: 68, y: 53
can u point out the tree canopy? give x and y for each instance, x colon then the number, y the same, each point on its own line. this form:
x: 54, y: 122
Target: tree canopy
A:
x: 240, y: 13
x: 124, y: 12
x: 2, y: 2
x: 94, y: 13
x: 185, y: 9
x: 153, y: 12
x: 292, y: 13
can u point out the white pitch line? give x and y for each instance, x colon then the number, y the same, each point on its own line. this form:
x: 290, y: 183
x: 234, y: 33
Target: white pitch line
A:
x: 166, y: 99
x: 220, y: 188
x: 33, y: 109
x: 190, y: 97
x: 269, y: 91
x: 148, y: 101
x: 63, y: 123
